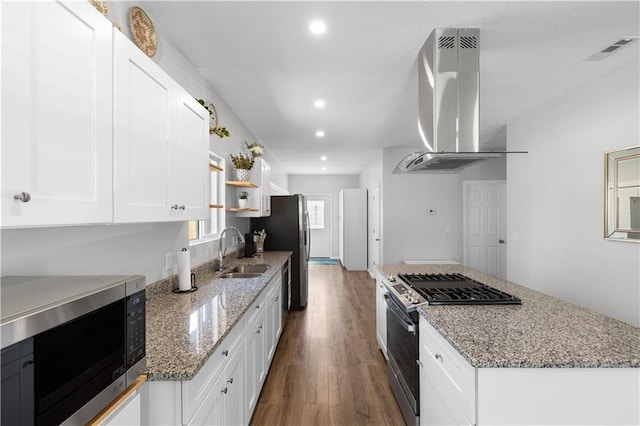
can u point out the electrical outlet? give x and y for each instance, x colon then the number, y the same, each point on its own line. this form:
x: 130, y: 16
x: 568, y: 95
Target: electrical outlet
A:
x: 168, y: 261
x: 235, y: 241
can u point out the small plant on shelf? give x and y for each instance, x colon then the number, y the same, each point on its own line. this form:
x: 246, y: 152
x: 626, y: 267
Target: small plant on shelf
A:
x: 244, y: 195
x: 242, y: 161
x: 255, y: 148
x: 243, y: 199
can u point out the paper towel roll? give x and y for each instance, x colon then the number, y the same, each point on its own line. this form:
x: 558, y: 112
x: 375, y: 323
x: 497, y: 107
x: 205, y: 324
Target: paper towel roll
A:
x: 184, y: 270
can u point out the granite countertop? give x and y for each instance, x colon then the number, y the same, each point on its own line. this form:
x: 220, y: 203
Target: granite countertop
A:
x: 183, y: 330
x: 543, y: 332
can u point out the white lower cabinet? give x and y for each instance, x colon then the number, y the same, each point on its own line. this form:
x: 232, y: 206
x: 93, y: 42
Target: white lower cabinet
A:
x: 128, y: 414
x: 381, y: 316
x: 254, y: 361
x: 452, y: 392
x: 226, y: 389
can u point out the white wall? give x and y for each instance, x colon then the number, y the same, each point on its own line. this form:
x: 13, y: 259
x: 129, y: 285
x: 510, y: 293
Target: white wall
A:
x: 124, y: 249
x: 325, y: 184
x: 409, y: 232
x: 555, y: 197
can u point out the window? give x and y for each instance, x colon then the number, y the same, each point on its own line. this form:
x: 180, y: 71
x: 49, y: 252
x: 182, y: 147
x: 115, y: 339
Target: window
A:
x: 316, y: 213
x: 207, y: 230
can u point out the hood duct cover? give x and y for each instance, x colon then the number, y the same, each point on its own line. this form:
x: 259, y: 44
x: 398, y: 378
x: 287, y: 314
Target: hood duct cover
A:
x: 448, y: 104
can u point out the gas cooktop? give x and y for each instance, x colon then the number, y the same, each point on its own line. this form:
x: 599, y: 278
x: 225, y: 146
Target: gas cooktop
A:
x: 448, y: 289
x: 456, y: 289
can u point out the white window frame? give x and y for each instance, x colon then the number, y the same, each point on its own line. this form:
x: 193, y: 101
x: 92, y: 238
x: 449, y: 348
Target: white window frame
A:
x: 217, y: 196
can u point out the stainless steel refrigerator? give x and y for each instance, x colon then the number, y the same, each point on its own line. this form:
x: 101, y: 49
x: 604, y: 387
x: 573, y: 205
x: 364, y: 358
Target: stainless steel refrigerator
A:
x: 288, y: 230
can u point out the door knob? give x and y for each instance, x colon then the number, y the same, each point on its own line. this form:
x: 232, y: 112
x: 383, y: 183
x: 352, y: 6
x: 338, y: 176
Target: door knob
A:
x: 501, y: 241
x: 23, y: 196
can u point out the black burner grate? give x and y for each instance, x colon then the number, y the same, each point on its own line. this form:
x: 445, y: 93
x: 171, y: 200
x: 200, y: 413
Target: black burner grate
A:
x: 456, y: 289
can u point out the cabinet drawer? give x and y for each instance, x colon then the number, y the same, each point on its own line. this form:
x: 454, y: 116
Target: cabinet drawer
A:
x: 252, y: 313
x: 195, y: 390
x: 447, y: 370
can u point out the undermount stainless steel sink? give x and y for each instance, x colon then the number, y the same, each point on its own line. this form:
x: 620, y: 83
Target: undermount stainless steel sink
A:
x: 241, y: 275
x: 246, y: 271
x: 259, y: 269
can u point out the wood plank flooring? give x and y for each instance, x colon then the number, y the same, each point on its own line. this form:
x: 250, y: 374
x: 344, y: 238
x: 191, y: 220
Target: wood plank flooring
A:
x: 328, y: 369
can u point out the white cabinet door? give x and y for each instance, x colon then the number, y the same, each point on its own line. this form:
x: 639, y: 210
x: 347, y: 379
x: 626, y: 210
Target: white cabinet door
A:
x: 56, y: 114
x: 188, y: 155
x: 381, y: 317
x: 436, y: 412
x: 260, y: 197
x: 234, y: 397
x: 161, y: 143
x: 255, y: 368
x: 211, y: 412
x: 273, y: 320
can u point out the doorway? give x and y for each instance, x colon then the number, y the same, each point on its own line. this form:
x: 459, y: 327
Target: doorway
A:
x: 319, y: 208
x: 373, y: 213
x: 485, y: 227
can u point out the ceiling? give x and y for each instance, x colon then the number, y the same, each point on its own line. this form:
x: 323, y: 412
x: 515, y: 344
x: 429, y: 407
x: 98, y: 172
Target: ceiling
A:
x: 268, y: 67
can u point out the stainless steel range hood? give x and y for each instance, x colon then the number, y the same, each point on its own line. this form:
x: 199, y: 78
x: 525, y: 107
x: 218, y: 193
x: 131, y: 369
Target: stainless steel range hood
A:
x: 448, y: 104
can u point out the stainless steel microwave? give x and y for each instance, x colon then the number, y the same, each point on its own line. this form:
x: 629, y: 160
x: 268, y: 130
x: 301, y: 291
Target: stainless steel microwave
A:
x: 70, y: 345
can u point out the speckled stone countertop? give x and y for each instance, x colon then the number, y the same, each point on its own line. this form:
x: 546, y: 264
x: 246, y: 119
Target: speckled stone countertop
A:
x: 183, y: 330
x: 543, y: 332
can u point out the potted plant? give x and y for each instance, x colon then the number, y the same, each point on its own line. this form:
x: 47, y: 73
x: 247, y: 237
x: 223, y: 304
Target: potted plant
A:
x: 243, y: 163
x: 255, y: 149
x: 242, y: 199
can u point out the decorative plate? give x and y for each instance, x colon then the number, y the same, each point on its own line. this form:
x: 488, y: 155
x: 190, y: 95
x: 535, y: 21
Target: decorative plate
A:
x: 213, y: 116
x: 144, y: 34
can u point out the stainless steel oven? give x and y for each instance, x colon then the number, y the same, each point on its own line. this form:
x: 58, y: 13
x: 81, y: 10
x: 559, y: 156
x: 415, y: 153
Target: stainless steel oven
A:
x: 402, y: 349
x: 83, y: 339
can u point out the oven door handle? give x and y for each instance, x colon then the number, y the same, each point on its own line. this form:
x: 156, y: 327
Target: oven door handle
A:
x: 410, y: 327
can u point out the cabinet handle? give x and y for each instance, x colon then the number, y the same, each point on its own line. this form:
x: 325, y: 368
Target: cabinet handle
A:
x: 257, y: 306
x: 174, y: 207
x: 225, y: 353
x: 182, y: 207
x: 230, y: 380
x: 419, y: 362
x: 224, y: 390
x: 276, y: 299
x: 23, y: 196
x: 27, y: 363
x: 439, y: 357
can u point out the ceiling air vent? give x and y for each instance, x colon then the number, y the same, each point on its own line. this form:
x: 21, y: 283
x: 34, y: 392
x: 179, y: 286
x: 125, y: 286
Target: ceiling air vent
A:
x: 607, y: 51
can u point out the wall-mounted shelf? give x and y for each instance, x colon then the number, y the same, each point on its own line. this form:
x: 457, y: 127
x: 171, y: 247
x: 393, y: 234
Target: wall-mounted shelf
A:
x: 216, y: 206
x: 214, y: 168
x: 241, y: 184
x: 243, y: 209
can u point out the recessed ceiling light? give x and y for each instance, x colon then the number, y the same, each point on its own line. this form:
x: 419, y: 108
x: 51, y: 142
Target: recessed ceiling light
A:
x: 318, y: 27
x: 320, y: 134
x: 319, y: 103
x: 323, y: 168
x: 323, y: 158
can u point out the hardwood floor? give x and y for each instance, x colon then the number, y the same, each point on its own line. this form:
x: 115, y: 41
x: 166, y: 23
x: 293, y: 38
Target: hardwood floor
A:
x: 328, y: 369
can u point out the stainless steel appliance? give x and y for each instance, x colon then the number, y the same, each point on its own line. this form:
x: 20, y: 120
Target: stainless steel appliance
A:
x: 404, y: 297
x: 449, y: 105
x: 70, y: 345
x: 288, y: 230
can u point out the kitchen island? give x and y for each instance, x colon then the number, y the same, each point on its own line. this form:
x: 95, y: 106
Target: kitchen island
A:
x: 543, y: 362
x: 208, y: 351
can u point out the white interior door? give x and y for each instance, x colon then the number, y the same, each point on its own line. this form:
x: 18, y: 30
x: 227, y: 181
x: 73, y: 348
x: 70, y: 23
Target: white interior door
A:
x: 319, y: 208
x: 485, y: 226
x: 373, y: 213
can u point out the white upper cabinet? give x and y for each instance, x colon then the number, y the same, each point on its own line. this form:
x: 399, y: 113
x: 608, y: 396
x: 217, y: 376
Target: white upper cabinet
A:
x: 161, y: 143
x: 259, y: 202
x: 56, y: 114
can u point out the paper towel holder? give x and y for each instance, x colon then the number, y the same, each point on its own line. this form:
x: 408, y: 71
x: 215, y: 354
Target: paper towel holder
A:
x: 193, y: 286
